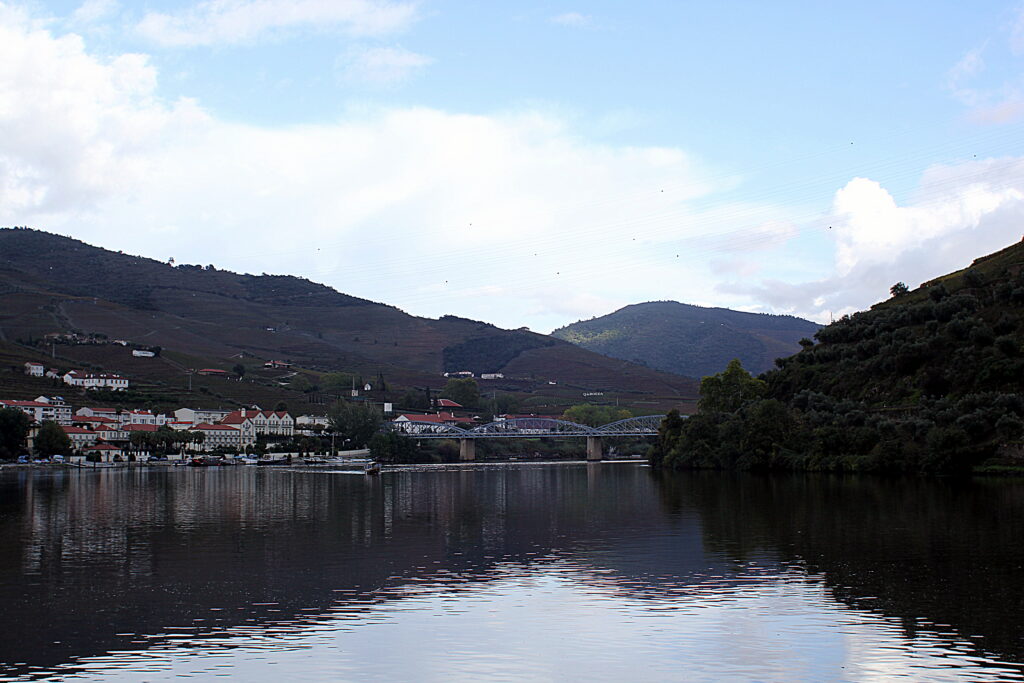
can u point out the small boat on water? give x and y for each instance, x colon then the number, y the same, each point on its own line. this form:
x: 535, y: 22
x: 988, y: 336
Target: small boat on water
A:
x: 274, y: 461
x: 371, y: 468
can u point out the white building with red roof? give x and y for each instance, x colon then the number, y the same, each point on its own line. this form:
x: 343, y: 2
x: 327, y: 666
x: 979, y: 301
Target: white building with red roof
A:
x: 80, y: 436
x: 264, y: 422
x: 108, y: 452
x: 35, y: 369
x: 143, y: 417
x: 129, y: 428
x: 89, y: 380
x: 43, y: 408
x: 244, y: 424
x: 217, y: 436
x: 110, y: 432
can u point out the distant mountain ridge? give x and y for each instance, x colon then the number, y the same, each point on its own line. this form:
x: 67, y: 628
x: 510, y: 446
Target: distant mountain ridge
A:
x: 690, y: 340
x: 51, y: 283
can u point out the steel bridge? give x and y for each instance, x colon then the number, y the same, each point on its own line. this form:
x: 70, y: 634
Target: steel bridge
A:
x: 531, y: 428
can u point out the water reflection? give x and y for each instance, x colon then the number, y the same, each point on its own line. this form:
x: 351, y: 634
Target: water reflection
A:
x: 521, y: 572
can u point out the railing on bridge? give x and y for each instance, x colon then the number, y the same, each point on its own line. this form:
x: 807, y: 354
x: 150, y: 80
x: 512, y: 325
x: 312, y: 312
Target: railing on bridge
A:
x: 530, y: 427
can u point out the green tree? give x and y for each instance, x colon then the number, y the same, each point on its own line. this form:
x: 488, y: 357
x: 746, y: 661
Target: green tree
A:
x: 899, y: 289
x: 52, y: 440
x: 239, y: 370
x: 142, y: 441
x: 336, y: 381
x: 669, y: 432
x: 465, y: 391
x: 301, y: 383
x: 414, y: 400
x: 727, y: 391
x: 392, y: 447
x: 14, y: 426
x: 595, y: 416
x: 355, y: 422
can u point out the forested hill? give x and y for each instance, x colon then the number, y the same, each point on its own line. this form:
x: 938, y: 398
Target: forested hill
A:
x: 930, y: 380
x: 55, y: 284
x: 690, y: 340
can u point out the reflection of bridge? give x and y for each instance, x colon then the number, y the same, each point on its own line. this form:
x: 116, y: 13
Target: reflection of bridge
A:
x: 531, y: 428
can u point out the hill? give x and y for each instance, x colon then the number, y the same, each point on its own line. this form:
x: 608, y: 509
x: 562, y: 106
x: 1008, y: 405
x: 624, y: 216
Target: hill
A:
x: 690, y: 340
x: 929, y: 380
x: 205, y: 317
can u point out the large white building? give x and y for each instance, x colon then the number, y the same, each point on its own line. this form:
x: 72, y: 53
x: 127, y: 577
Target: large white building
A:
x: 264, y: 422
x: 217, y: 436
x: 88, y: 380
x: 143, y: 417
x: 198, y: 415
x: 43, y: 408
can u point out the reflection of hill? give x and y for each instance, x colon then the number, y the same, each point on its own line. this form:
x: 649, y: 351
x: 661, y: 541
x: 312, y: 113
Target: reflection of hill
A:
x: 95, y: 554
x: 928, y: 552
x: 179, y: 554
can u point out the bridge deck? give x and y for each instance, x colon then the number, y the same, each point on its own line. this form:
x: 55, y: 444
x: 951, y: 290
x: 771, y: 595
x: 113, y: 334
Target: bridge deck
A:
x: 530, y: 428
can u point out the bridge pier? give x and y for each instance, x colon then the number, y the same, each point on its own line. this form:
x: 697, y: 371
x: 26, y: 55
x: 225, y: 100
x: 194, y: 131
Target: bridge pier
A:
x: 595, y: 450
x: 467, y: 450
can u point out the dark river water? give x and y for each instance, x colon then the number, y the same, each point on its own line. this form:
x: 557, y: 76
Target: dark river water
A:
x: 523, y: 572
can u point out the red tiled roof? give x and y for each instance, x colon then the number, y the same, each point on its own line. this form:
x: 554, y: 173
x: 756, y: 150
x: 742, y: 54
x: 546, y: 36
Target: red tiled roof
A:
x: 447, y: 403
x: 205, y: 426
x: 140, y: 428
x: 27, y: 404
x: 422, y: 418
x: 77, y: 430
x: 102, y: 447
x: 95, y: 418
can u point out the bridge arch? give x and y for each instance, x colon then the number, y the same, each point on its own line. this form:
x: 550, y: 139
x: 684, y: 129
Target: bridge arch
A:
x: 531, y: 426
x: 414, y: 428
x: 632, y: 426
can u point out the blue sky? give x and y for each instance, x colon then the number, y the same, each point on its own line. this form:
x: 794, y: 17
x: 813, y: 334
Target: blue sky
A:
x: 528, y: 163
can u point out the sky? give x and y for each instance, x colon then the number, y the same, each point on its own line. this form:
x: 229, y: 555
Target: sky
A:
x: 530, y: 163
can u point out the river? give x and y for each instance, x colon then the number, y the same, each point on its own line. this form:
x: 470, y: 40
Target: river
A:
x: 601, y: 572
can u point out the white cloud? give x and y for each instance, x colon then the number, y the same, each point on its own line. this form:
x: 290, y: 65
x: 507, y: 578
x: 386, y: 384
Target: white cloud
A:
x: 92, y: 11
x: 574, y: 19
x: 960, y: 75
x: 225, y: 22
x: 501, y: 217
x: 990, y: 98
x: 509, y: 217
x: 1017, y: 33
x: 958, y: 213
x: 74, y: 128
x: 381, y: 65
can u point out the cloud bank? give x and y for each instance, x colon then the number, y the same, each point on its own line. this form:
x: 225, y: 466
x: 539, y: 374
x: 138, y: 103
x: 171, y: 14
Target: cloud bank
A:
x: 228, y: 22
x: 509, y: 217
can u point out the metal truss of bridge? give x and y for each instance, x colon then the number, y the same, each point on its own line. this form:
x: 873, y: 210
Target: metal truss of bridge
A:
x: 531, y: 428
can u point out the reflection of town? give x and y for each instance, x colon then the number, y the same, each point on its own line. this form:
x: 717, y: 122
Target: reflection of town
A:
x: 91, y: 555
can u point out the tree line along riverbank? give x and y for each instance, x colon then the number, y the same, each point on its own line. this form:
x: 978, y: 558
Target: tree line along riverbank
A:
x: 928, y: 381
